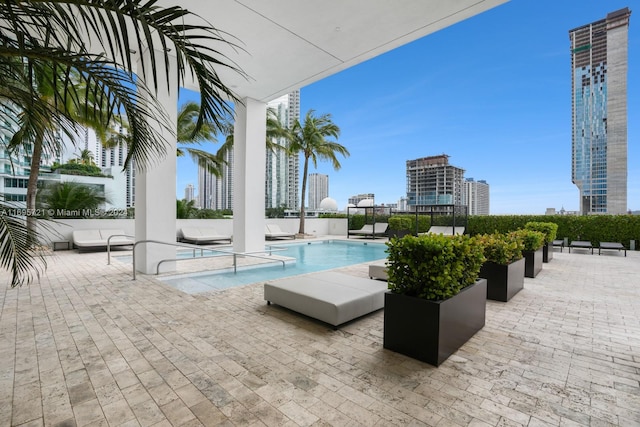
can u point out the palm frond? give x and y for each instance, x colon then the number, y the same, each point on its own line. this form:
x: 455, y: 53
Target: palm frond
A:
x: 211, y: 162
x: 18, y: 252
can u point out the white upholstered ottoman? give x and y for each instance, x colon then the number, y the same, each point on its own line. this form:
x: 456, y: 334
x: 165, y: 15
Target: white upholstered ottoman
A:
x: 378, y: 270
x: 334, y: 298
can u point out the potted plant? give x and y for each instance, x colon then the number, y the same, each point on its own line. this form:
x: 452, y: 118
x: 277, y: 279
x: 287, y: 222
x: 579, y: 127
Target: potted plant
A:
x: 533, y: 242
x: 400, y: 225
x: 550, y: 230
x: 435, y: 301
x: 504, y: 265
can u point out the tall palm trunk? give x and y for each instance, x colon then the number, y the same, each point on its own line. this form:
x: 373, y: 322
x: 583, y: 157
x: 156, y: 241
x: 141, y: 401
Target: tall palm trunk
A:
x: 304, y: 189
x: 32, y: 185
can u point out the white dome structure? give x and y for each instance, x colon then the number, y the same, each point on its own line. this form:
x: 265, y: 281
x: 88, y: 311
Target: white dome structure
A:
x: 328, y: 204
x: 365, y: 203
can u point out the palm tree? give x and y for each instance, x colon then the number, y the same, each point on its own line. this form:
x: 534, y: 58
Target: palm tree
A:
x: 311, y: 138
x: 275, y: 131
x: 185, y: 210
x: 86, y: 157
x: 70, y: 199
x: 187, y: 116
x: 49, y: 79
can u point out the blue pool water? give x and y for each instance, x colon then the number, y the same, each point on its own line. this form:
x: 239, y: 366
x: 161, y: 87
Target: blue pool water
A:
x: 310, y: 257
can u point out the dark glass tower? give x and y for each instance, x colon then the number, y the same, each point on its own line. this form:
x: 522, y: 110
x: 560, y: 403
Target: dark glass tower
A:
x: 599, y: 113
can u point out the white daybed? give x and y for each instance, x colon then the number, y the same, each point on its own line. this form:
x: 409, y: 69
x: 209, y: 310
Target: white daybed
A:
x: 273, y: 231
x: 446, y: 230
x: 371, y: 230
x: 200, y: 235
x: 98, y: 238
x: 334, y: 298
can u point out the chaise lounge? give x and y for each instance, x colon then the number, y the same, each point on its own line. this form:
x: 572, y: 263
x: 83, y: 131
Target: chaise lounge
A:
x: 447, y: 230
x: 334, y: 298
x: 201, y: 235
x: 612, y: 246
x: 98, y: 239
x: 371, y: 230
x: 581, y: 244
x: 273, y: 231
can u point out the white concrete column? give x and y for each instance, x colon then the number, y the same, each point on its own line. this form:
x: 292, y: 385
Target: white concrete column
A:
x: 155, y: 190
x: 249, y: 156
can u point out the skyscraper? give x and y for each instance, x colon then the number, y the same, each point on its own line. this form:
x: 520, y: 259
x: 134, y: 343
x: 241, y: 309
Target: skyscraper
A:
x: 282, y: 171
x: 318, y: 189
x: 189, y: 192
x: 282, y: 180
x: 476, y: 196
x: 599, y: 113
x: 433, y: 181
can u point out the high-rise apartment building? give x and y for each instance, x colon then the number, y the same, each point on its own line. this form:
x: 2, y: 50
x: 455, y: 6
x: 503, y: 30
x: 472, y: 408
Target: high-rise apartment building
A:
x: 318, y: 189
x: 599, y: 113
x: 433, y: 181
x: 189, y: 192
x: 476, y: 196
x: 282, y: 172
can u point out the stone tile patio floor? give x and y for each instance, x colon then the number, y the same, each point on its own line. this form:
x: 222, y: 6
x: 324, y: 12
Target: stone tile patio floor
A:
x: 89, y: 346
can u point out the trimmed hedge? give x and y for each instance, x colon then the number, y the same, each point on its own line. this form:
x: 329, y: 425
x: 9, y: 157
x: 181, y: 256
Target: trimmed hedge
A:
x: 433, y: 267
x: 594, y: 228
x: 502, y: 248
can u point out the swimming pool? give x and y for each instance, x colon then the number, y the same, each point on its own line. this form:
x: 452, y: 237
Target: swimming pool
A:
x: 309, y: 257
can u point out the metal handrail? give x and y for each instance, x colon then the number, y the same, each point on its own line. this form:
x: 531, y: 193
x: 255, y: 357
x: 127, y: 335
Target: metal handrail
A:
x: 109, y: 245
x: 235, y: 260
x: 187, y: 245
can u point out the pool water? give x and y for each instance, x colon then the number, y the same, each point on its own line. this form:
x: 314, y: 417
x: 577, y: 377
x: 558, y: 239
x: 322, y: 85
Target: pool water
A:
x: 309, y: 258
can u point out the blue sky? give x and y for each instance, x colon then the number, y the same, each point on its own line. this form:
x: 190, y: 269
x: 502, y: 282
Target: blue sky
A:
x: 492, y: 92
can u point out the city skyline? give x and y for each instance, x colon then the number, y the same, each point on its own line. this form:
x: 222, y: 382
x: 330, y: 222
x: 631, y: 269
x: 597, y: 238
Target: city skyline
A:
x: 497, y: 102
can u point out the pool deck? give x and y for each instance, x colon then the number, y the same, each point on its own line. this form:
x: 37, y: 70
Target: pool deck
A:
x: 89, y: 346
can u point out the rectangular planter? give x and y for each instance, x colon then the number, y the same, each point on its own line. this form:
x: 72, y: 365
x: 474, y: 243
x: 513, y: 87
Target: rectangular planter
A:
x: 547, y: 252
x: 503, y: 281
x: 532, y: 263
x: 431, y: 331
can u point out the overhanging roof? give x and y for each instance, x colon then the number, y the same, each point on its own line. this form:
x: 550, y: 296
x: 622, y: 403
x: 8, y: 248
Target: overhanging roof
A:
x: 288, y: 44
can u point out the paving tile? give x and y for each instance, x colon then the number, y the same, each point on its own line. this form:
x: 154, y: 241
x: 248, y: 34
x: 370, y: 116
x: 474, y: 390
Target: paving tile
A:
x: 86, y: 346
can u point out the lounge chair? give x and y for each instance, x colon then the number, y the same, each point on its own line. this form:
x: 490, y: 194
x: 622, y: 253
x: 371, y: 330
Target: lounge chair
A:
x: 371, y: 230
x: 447, y: 230
x: 612, y: 246
x: 273, y: 231
x: 200, y: 235
x: 558, y: 244
x: 98, y: 238
x: 334, y: 298
x: 581, y: 244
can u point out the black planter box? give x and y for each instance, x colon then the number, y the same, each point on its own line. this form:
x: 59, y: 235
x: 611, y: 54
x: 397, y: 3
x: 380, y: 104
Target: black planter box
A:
x: 532, y: 263
x: 431, y: 331
x: 503, y: 281
x: 547, y: 252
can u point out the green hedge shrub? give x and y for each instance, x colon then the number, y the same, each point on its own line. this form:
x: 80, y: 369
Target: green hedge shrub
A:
x: 594, y: 228
x: 502, y: 248
x: 433, y: 267
x: 532, y: 240
x: 549, y: 229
